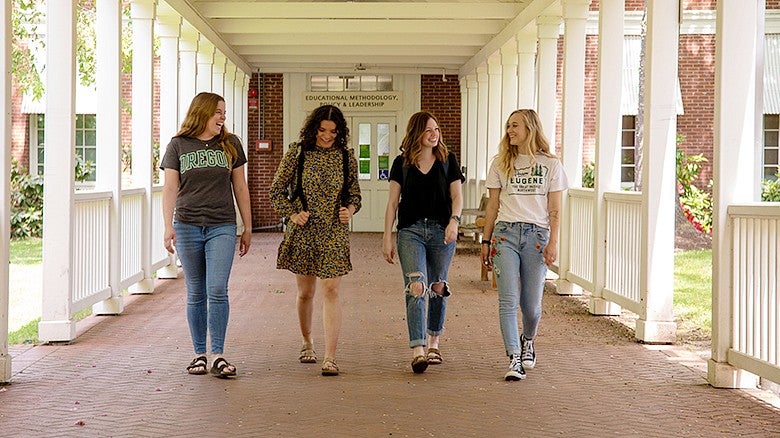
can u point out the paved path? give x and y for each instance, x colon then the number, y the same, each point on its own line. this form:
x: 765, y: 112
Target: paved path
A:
x: 124, y: 375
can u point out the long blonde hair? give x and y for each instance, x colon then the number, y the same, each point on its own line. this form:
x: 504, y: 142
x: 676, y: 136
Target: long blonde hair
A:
x: 535, y: 142
x: 202, y: 108
x: 411, y: 146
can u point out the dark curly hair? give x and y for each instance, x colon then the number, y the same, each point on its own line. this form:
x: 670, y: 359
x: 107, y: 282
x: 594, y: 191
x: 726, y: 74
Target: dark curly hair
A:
x: 308, y: 135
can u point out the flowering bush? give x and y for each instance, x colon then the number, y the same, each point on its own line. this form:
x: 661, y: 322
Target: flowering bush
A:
x: 770, y: 189
x: 696, y: 204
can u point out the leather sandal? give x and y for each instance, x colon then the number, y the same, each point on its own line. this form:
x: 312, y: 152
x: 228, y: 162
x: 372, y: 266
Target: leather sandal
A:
x: 308, y: 355
x: 222, y: 368
x: 198, y: 365
x: 419, y: 364
x: 434, y: 356
x: 329, y: 367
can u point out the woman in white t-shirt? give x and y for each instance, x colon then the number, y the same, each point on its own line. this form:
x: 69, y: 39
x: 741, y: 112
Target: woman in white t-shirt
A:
x: 525, y: 182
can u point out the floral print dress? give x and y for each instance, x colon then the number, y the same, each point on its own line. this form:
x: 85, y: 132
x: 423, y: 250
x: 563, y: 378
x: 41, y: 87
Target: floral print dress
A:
x: 320, y: 247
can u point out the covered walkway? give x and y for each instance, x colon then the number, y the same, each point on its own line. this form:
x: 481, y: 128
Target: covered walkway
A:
x: 124, y: 375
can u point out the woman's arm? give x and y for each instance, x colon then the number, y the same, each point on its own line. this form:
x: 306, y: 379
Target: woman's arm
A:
x: 169, y: 193
x: 491, y: 213
x: 241, y: 192
x: 282, y: 179
x: 456, y: 193
x: 554, y: 212
x: 390, y: 214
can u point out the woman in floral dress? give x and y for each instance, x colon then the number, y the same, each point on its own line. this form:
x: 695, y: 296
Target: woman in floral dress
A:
x: 325, y: 195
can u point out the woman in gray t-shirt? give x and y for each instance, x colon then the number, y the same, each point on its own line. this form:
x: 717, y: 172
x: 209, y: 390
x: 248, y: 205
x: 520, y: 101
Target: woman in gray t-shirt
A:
x: 204, y: 170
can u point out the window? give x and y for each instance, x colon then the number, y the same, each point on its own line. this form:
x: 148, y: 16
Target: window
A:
x: 770, y: 159
x: 86, y: 142
x: 628, y: 151
x: 351, y: 83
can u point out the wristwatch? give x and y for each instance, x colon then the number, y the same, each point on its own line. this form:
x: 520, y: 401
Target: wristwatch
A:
x: 456, y: 217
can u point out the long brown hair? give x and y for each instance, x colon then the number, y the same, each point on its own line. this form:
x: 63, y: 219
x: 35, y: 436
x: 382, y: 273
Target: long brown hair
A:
x: 535, y: 142
x: 411, y: 146
x: 202, y: 108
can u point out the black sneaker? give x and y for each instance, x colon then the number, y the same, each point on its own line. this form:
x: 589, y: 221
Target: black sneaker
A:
x: 528, y: 355
x: 516, y: 371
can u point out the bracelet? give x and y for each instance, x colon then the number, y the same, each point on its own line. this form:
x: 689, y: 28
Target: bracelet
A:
x: 456, y: 217
x: 486, y: 241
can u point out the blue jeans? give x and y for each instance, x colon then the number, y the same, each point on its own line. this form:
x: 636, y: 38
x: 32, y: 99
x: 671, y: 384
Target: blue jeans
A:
x: 206, y: 254
x: 425, y: 258
x: 518, y: 250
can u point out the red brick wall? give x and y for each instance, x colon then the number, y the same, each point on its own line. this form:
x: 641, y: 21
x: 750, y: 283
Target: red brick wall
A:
x: 262, y: 165
x: 20, y: 129
x: 442, y: 99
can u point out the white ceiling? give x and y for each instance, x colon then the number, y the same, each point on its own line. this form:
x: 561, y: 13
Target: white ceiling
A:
x: 376, y: 36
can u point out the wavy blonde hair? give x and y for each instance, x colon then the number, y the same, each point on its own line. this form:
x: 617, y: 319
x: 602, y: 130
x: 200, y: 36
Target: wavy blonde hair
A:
x: 535, y: 142
x: 411, y: 146
x: 202, y: 108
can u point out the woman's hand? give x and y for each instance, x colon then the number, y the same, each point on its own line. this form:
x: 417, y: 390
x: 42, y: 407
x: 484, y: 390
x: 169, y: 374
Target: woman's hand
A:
x: 451, y: 232
x: 169, y: 239
x: 345, y: 214
x: 550, y: 253
x: 246, y: 241
x: 300, y: 218
x: 485, y: 252
x: 388, y: 251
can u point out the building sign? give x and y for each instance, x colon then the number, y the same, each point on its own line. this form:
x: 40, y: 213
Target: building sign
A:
x: 354, y: 100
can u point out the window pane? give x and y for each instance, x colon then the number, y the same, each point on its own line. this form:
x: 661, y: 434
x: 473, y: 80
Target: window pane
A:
x: 368, y: 83
x: 770, y: 157
x: 79, y: 121
x: 627, y: 174
x: 335, y: 83
x: 628, y: 156
x: 771, y: 121
x: 770, y: 138
x: 79, y: 137
x: 770, y: 173
x: 628, y: 138
x: 364, y: 134
x: 90, y: 121
x: 41, y: 137
x: 319, y: 83
x: 40, y: 157
x: 90, y: 155
x: 80, y: 153
x: 89, y: 138
x: 383, y: 151
x: 629, y: 122
x: 384, y: 83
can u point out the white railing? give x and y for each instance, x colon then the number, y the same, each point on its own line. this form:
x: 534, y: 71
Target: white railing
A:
x: 91, y: 213
x: 755, y: 307
x: 623, y: 250
x: 160, y: 256
x: 580, y: 213
x: 132, y: 214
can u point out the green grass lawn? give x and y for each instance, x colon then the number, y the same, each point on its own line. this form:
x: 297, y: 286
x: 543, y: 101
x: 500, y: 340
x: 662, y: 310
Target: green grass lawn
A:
x: 26, y: 251
x: 693, y: 293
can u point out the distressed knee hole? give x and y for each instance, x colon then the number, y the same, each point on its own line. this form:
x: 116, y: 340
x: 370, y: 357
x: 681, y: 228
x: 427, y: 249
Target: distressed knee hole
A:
x: 416, y: 286
x: 441, y: 288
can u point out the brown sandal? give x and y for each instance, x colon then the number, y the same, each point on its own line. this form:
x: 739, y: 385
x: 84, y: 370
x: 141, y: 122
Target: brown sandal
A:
x: 434, y: 356
x: 329, y: 367
x: 419, y: 364
x: 308, y: 355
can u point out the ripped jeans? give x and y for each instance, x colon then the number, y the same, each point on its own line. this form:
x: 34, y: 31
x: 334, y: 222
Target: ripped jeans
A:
x: 425, y: 260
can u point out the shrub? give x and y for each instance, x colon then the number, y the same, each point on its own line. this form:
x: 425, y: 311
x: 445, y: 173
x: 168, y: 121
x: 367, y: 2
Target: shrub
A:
x: 588, y: 175
x: 770, y: 189
x: 695, y: 203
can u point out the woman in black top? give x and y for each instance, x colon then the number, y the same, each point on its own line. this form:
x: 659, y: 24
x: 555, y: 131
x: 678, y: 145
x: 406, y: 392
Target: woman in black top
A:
x: 425, y: 192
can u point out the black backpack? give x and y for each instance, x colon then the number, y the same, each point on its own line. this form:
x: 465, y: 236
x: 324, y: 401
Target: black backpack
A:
x: 298, y: 192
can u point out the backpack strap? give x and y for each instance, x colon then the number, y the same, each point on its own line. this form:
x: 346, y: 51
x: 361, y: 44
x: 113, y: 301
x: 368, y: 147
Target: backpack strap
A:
x: 345, y: 186
x: 298, y: 192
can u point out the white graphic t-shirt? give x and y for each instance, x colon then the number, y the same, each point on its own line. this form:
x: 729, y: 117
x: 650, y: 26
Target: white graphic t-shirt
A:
x: 524, y: 193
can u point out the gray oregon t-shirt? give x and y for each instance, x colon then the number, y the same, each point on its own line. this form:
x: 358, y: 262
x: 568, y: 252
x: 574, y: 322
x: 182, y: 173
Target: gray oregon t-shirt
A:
x: 205, y: 194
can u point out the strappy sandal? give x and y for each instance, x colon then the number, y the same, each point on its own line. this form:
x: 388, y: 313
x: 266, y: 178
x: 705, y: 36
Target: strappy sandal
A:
x: 198, y: 365
x: 222, y: 368
x: 419, y: 364
x: 434, y: 356
x: 308, y: 355
x: 329, y: 367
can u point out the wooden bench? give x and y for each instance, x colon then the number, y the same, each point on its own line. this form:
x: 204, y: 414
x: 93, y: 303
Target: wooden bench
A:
x: 473, y: 228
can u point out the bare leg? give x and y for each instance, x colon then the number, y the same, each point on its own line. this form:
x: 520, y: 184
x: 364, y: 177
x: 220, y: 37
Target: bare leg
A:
x: 307, y: 285
x: 331, y: 314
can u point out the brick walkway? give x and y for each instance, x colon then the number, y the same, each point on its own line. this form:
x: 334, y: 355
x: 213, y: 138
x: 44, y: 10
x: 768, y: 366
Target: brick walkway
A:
x: 124, y: 376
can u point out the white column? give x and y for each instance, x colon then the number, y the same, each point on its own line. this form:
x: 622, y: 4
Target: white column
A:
x: 547, y: 98
x: 495, y: 118
x: 656, y: 275
x: 56, y: 321
x: 575, y: 14
x: 468, y: 200
x: 608, y: 126
x: 142, y: 13
x: 169, y: 32
x: 188, y: 67
x: 205, y: 65
x: 736, y: 45
x: 108, y: 71
x: 471, y: 130
x: 231, y: 91
x: 5, y: 188
x: 482, y: 128
x: 244, y: 110
x: 218, y: 74
x: 509, y: 89
x: 526, y: 69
